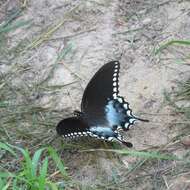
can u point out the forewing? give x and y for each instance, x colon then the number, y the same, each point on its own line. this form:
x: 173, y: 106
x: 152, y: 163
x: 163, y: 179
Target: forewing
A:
x: 102, y: 87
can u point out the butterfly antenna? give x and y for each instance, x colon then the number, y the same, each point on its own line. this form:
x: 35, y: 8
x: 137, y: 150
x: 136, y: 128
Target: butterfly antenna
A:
x: 144, y: 120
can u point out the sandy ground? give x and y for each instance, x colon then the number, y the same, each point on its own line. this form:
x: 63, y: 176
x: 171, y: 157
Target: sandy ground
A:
x: 100, y: 31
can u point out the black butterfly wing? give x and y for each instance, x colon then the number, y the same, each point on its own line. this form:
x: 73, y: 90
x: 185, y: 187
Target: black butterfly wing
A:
x: 101, y: 88
x: 72, y: 127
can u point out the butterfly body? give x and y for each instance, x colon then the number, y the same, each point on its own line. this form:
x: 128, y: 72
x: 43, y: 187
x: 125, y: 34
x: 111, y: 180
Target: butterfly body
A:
x: 103, y: 111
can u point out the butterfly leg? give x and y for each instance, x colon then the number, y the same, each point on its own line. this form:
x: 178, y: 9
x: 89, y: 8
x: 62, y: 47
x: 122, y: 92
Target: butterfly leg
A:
x: 78, y: 113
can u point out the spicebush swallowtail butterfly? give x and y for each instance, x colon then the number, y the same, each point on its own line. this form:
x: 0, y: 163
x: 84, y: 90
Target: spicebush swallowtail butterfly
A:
x: 103, y: 111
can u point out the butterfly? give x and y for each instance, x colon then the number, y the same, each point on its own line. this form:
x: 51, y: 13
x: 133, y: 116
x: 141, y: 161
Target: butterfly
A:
x: 103, y: 111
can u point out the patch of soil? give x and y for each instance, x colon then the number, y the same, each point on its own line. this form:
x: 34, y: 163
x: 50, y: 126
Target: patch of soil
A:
x: 100, y: 31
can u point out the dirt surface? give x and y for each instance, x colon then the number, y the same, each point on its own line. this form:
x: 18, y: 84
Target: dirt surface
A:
x: 93, y: 33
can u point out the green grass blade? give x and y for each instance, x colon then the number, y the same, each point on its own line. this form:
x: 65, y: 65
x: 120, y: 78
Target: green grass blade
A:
x: 172, y: 42
x: 2, y: 183
x: 43, y: 173
x: 6, y: 174
x: 64, y: 52
x: 7, y: 148
x: 11, y: 27
x: 141, y: 154
x: 52, y: 185
x: 59, y: 58
x: 12, y: 17
x: 148, y: 155
x: 6, y: 186
x: 15, y: 187
x: 35, y: 161
x: 28, y: 163
x: 45, y: 36
x: 58, y: 161
x: 4, y: 104
x: 136, y: 166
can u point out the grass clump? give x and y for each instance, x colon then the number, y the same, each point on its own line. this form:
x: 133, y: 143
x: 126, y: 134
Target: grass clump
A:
x: 183, y: 94
x: 180, y: 99
x: 33, y: 171
x: 183, y: 91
